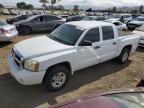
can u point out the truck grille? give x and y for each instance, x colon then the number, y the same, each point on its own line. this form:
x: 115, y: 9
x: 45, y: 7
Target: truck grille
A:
x: 16, y: 58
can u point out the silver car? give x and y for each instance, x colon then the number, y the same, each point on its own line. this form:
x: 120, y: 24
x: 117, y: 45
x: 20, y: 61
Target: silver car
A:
x: 39, y: 23
x: 7, y: 32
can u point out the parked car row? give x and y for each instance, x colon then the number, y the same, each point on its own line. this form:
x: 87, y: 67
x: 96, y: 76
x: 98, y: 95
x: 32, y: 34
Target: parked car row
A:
x: 29, y: 23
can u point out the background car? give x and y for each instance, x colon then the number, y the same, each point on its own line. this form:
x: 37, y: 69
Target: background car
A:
x: 74, y: 18
x: 136, y: 23
x: 95, y: 18
x: 13, y: 12
x: 119, y: 17
x: 17, y: 18
x: 5, y: 12
x: 140, y: 31
x: 120, y: 26
x: 127, y: 98
x: 39, y: 23
x: 7, y: 32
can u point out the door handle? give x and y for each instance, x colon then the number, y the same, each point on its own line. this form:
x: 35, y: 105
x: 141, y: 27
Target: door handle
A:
x: 114, y: 43
x: 96, y: 47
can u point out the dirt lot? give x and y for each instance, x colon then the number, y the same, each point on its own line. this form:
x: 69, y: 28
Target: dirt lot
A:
x: 101, y: 77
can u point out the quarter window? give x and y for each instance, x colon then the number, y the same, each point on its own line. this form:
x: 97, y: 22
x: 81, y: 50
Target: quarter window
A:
x: 108, y: 33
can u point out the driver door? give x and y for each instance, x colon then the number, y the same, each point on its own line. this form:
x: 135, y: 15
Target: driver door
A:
x: 38, y: 24
x: 86, y: 56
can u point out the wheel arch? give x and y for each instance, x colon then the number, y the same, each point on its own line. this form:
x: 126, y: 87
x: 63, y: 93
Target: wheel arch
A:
x: 127, y: 46
x: 65, y: 64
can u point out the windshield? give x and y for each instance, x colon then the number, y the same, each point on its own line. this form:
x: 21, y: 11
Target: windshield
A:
x: 67, y: 34
x: 141, y: 28
x: 140, y: 19
x: 2, y: 23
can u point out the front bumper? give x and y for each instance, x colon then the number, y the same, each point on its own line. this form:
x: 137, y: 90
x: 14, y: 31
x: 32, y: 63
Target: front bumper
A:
x: 24, y: 76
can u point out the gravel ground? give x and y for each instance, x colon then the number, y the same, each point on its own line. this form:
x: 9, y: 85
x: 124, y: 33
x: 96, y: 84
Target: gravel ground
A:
x: 105, y: 76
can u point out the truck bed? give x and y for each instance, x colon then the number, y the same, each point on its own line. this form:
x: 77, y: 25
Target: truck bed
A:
x: 123, y: 33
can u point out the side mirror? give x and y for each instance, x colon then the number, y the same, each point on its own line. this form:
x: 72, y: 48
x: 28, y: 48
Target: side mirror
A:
x: 86, y: 43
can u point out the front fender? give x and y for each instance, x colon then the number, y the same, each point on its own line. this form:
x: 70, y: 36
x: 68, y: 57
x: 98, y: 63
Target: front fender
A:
x: 47, y: 61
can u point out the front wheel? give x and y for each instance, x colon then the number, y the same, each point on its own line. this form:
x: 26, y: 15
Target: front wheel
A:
x: 123, y: 58
x: 56, y: 78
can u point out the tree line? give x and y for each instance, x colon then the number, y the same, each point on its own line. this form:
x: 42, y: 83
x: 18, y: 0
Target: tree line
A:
x: 23, y: 5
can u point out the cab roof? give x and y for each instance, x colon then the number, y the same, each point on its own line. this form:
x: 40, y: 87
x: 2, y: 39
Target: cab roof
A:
x: 89, y: 24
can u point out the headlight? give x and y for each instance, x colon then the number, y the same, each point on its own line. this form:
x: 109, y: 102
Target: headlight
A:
x: 31, y: 65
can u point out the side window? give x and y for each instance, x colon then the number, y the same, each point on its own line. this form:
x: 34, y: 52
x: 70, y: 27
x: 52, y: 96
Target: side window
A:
x: 51, y: 18
x: 108, y: 33
x: 39, y: 19
x: 92, y: 35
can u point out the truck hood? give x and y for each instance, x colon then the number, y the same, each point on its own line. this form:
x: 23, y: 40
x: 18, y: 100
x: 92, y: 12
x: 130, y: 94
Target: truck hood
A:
x: 39, y: 46
x: 136, y: 22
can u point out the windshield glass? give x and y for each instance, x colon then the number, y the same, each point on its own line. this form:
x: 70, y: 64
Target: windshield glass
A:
x: 139, y: 19
x: 67, y: 34
x: 141, y: 28
x: 2, y: 23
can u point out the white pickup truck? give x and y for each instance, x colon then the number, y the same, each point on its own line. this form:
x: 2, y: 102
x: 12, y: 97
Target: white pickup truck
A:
x: 54, y: 58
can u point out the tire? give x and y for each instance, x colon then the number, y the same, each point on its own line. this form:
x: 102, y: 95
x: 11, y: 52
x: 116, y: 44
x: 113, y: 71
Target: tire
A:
x: 124, y: 30
x: 123, y: 58
x: 56, y: 78
x: 25, y: 30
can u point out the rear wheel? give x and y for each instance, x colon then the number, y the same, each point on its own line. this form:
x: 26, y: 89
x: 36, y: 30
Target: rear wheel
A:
x: 56, y: 78
x: 25, y: 30
x: 123, y: 58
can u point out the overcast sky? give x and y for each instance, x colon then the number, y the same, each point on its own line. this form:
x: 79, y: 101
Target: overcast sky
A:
x: 97, y: 3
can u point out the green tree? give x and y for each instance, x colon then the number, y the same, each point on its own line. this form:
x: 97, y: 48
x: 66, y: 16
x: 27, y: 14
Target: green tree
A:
x: 44, y: 2
x: 30, y: 6
x: 114, y: 9
x: 76, y: 8
x: 1, y: 6
x: 21, y: 5
x: 141, y: 9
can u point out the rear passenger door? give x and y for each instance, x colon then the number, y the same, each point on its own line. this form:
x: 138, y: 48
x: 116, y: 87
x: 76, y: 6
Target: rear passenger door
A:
x: 109, y: 44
